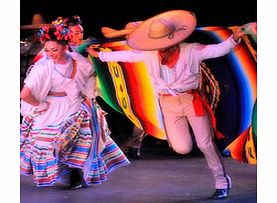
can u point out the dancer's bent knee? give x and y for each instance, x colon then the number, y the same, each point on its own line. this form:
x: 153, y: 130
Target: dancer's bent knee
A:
x: 182, y: 149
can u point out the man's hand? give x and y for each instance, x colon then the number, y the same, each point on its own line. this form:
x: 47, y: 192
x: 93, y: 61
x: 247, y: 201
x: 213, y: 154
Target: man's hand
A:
x: 92, y: 50
x: 238, y: 33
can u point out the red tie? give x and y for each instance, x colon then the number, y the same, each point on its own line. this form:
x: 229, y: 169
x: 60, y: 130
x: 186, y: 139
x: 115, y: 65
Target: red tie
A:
x: 170, y: 56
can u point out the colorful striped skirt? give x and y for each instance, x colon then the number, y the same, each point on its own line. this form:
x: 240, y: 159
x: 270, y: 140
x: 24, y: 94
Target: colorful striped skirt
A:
x: 81, y: 141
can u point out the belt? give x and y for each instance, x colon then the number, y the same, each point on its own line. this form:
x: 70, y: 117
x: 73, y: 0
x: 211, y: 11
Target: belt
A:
x: 57, y: 94
x: 188, y: 92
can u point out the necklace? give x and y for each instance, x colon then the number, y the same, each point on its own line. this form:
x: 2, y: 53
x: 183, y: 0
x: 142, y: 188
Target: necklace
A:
x: 66, y: 67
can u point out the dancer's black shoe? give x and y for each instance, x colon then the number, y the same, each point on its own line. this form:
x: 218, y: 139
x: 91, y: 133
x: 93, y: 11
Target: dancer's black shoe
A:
x: 220, y: 194
x: 76, y: 179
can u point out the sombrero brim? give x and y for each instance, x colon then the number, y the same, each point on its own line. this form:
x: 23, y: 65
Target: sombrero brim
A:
x: 36, y: 26
x: 139, y: 38
x: 111, y: 33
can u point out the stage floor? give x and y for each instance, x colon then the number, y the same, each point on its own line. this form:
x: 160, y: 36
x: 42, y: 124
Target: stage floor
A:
x: 159, y: 177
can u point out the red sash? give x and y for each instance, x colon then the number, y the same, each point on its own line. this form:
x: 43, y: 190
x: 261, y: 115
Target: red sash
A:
x: 199, y: 105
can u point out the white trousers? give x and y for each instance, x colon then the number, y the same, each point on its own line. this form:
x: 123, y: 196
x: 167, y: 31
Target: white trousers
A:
x: 178, y: 113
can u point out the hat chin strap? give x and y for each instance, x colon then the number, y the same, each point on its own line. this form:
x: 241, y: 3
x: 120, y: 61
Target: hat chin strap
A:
x: 171, y: 35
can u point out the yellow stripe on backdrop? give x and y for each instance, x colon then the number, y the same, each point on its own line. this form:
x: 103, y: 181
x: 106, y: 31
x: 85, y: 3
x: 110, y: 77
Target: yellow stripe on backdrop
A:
x: 121, y: 90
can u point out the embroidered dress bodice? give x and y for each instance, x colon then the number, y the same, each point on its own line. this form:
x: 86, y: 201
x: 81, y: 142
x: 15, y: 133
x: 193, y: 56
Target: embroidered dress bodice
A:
x: 61, y: 76
x: 62, y: 81
x: 71, y: 77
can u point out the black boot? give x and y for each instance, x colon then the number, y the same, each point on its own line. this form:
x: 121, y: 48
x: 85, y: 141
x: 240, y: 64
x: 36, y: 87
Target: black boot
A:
x: 220, y: 194
x: 76, y: 179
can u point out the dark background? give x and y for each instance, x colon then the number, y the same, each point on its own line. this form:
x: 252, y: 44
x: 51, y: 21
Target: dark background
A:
x: 116, y: 13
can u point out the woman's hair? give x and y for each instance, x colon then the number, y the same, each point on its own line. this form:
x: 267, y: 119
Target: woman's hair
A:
x: 59, y: 32
x: 74, y: 20
x: 53, y: 35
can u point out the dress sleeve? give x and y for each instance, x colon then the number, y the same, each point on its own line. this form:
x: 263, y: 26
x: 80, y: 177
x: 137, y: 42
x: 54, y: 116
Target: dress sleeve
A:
x: 86, y: 76
x: 89, y: 88
x: 90, y: 83
x: 37, y: 81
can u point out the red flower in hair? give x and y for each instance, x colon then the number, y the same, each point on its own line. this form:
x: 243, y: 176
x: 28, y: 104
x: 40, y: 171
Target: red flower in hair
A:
x: 62, y: 33
x: 57, y: 33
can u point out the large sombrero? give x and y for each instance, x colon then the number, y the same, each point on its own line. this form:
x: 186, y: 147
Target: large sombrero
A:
x: 37, y: 23
x: 163, y: 30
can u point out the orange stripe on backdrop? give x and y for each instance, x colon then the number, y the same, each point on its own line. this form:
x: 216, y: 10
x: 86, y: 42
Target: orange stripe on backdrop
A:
x: 249, y: 69
x: 247, y: 64
x: 145, y: 103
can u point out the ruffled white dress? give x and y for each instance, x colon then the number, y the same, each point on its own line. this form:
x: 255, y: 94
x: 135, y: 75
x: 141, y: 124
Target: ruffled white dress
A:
x: 73, y: 132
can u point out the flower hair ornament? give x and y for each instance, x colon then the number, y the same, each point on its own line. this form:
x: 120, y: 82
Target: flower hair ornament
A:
x: 61, y: 32
x: 43, y: 33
